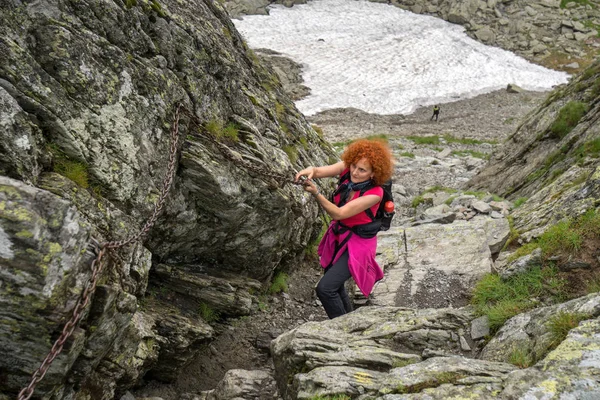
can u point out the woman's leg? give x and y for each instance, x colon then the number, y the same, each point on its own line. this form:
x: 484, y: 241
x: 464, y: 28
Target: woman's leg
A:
x: 330, y: 288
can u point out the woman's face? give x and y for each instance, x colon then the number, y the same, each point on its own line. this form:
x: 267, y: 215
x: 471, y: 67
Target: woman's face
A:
x: 361, y: 171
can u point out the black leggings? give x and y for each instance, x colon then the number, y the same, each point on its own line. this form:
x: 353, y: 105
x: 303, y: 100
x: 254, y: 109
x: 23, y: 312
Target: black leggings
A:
x: 331, y: 290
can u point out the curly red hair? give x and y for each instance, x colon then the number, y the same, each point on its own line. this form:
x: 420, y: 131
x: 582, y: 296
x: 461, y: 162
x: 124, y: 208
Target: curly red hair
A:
x: 376, y: 152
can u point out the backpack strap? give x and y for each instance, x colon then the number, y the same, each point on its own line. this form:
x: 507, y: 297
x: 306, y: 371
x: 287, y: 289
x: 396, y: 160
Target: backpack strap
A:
x: 368, y: 210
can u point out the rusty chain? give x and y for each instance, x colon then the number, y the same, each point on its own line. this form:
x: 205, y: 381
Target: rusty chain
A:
x: 237, y: 158
x: 97, y: 266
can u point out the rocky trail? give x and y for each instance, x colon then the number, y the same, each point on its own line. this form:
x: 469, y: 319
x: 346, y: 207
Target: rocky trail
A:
x: 468, y: 131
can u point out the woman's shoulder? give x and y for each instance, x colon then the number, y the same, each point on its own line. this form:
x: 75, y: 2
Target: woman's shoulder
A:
x: 376, y: 190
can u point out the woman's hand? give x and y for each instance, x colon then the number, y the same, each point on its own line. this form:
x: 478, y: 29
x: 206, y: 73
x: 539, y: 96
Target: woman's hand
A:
x: 310, y: 187
x: 309, y: 172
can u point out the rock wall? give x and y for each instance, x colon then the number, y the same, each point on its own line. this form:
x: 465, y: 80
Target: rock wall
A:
x: 88, y: 92
x: 552, y: 159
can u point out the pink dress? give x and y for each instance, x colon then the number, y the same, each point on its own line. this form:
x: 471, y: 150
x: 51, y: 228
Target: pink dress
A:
x: 361, y: 252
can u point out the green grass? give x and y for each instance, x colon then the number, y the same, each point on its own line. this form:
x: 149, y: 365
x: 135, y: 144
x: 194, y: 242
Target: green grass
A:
x: 588, y: 149
x: 519, y: 202
x: 279, y: 110
x: 407, y: 154
x: 216, y: 129
x: 567, y: 119
x: 520, y: 357
x: 501, y: 300
x: 593, y: 285
x: 231, y: 131
x: 508, y: 121
x: 479, y: 195
x: 207, y: 313
x: 451, y: 139
x: 472, y: 153
x: 439, y: 188
x: 73, y: 170
x: 318, y: 129
x: 416, y: 201
x: 563, y: 3
x: 380, y: 136
x: 564, y: 238
x: 279, y: 283
x: 561, y: 323
x: 424, y: 139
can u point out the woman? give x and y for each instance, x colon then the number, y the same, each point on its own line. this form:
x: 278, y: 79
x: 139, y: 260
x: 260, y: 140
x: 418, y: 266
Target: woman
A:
x: 366, y: 164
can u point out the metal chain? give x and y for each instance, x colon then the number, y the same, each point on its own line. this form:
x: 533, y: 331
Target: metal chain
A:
x: 238, y: 160
x: 97, y: 266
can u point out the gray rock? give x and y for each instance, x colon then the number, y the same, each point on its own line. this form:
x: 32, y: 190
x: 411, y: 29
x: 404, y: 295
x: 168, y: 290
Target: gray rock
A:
x: 481, y: 207
x: 522, y: 264
x: 480, y: 328
x: 512, y: 88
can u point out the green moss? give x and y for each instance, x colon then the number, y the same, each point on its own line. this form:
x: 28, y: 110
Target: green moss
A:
x: 24, y: 234
x: 291, y: 152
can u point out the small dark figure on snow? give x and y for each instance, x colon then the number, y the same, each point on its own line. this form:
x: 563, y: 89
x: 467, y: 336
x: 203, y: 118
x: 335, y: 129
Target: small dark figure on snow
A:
x: 436, y: 112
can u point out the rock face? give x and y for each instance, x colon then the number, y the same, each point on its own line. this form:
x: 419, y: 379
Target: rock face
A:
x: 434, y: 265
x: 552, y: 162
x: 88, y: 93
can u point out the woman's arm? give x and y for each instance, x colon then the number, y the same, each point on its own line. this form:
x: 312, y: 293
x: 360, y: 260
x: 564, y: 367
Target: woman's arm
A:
x: 347, y: 210
x: 321, y: 172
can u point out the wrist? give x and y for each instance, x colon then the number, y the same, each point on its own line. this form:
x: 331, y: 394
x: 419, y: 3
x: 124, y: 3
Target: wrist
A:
x: 316, y: 194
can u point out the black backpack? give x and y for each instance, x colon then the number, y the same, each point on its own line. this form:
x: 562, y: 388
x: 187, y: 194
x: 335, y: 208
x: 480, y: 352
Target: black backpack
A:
x: 381, y: 220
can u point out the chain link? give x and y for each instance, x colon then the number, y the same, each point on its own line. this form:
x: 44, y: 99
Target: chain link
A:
x: 237, y: 159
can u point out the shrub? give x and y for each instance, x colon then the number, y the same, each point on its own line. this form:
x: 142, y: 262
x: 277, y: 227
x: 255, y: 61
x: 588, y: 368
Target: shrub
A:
x: 567, y: 119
